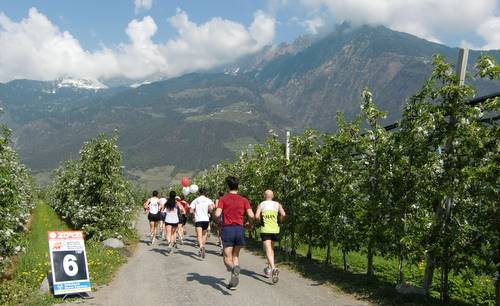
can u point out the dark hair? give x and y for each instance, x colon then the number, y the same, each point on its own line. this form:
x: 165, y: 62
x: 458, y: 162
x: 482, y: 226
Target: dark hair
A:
x: 221, y: 194
x: 232, y: 183
x: 171, y: 203
x: 155, y: 193
x: 203, y: 191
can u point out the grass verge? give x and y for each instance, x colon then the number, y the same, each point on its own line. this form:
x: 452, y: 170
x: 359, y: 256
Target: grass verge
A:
x: 33, y: 265
x: 379, y: 289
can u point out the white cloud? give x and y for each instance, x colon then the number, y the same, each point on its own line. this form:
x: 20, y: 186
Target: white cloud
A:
x: 490, y: 31
x: 35, y: 48
x: 314, y: 24
x: 430, y: 19
x: 142, y: 5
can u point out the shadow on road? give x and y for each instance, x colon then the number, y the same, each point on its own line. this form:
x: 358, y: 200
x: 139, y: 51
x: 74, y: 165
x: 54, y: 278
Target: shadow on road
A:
x: 189, y: 254
x: 256, y: 276
x: 214, y: 282
x: 160, y: 251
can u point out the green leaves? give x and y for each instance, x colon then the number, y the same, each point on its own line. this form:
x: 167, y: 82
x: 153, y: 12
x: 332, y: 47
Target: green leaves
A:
x: 91, y: 193
x: 430, y: 189
x: 17, y: 190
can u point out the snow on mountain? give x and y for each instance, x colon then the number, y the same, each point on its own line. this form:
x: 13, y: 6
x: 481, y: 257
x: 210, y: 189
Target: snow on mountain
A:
x: 90, y: 84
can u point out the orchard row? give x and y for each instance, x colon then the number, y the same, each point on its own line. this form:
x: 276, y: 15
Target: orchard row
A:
x: 427, y: 192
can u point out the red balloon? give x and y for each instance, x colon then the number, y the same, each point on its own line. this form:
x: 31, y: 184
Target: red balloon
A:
x: 185, y: 182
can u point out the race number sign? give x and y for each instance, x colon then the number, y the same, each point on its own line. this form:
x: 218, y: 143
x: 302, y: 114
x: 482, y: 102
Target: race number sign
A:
x: 68, y: 262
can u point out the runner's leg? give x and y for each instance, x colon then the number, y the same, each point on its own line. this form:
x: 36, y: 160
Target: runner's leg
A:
x: 236, y: 255
x: 228, y: 257
x: 199, y: 236
x: 268, y: 247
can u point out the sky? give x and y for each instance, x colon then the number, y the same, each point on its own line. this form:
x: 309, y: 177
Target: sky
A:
x: 140, y: 39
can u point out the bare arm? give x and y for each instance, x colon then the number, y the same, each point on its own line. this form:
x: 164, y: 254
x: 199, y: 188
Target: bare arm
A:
x: 218, y: 212
x: 258, y: 213
x: 282, y: 213
x: 250, y: 214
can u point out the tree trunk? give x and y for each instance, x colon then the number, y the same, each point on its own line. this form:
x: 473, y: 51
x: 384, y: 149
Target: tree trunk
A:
x: 369, y: 269
x: 429, y: 274
x: 445, y: 294
x: 309, y: 248
x: 497, y: 290
x: 401, y: 277
x: 344, y: 259
x: 292, y: 252
x: 328, y: 259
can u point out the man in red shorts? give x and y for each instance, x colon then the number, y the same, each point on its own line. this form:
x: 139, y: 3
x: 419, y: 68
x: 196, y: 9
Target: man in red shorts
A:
x: 233, y: 207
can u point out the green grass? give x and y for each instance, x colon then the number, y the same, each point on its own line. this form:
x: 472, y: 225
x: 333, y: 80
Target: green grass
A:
x: 32, y: 266
x: 240, y: 144
x: 381, y: 288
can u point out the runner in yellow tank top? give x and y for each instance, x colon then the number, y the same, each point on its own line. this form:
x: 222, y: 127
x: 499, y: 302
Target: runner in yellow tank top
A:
x: 269, y: 211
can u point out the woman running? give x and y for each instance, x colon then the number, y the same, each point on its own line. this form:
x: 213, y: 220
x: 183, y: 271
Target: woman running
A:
x: 183, y: 208
x: 162, y: 202
x: 171, y: 220
x: 152, y: 206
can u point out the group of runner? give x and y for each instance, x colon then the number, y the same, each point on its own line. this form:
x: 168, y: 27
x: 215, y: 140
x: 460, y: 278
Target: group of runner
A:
x: 230, y: 210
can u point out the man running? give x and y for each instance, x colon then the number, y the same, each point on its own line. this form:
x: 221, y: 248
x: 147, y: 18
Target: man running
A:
x: 152, y: 206
x: 232, y: 207
x: 269, y: 211
x: 201, y: 207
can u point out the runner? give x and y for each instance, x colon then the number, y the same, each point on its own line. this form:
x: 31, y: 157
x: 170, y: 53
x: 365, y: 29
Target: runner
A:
x: 162, y: 202
x: 219, y: 222
x: 233, y: 207
x: 152, y: 207
x: 269, y: 231
x: 171, y: 220
x: 183, y: 208
x: 201, y: 207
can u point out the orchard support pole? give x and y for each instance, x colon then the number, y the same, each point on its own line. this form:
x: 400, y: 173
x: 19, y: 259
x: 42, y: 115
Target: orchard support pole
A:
x: 285, y: 185
x: 448, y: 199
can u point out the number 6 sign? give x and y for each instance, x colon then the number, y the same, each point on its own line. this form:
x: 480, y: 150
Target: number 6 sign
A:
x: 68, y: 262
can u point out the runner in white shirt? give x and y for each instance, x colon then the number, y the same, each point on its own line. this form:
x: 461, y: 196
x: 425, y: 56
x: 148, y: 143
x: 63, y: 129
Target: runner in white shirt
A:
x: 152, y: 207
x: 171, y: 220
x: 201, y: 207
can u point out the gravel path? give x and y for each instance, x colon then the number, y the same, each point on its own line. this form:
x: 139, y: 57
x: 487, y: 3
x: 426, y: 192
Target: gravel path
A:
x: 152, y: 277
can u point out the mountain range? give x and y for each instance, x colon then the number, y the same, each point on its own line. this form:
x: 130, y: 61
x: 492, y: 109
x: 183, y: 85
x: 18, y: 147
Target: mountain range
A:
x: 184, y: 124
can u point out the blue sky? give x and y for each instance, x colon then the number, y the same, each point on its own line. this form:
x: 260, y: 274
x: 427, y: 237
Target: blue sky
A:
x: 140, y: 39
x: 95, y: 22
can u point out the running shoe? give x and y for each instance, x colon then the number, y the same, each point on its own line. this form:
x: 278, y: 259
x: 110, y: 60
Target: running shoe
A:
x: 182, y: 241
x: 169, y: 248
x: 152, y: 240
x: 275, y: 275
x: 235, y: 273
x: 202, y: 252
x: 267, y: 272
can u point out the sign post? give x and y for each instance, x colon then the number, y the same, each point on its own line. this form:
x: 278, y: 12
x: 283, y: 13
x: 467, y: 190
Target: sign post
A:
x: 68, y: 262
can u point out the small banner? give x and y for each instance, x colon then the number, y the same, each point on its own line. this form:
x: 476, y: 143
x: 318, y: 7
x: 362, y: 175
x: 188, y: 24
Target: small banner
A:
x: 68, y: 262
